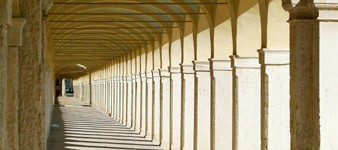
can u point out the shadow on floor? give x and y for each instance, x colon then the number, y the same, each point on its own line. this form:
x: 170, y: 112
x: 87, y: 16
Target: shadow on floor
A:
x: 83, y: 128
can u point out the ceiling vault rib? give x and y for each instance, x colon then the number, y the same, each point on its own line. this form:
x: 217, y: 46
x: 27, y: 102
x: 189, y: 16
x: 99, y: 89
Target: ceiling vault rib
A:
x: 144, y: 3
x: 104, y: 39
x: 166, y: 14
x: 109, y: 28
x: 95, y: 32
x: 70, y: 21
x: 115, y: 33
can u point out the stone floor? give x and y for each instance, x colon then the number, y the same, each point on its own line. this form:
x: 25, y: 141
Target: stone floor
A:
x: 75, y: 126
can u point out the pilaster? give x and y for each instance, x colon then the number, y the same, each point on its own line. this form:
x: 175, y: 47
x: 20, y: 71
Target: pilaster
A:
x: 149, y: 105
x: 138, y: 103
x: 3, y: 78
x: 246, y: 102
x: 221, y: 73
x: 14, y: 42
x: 313, y: 30
x: 129, y: 101
x: 157, y: 106
x: 175, y: 110
x: 188, y: 103
x: 165, y: 108
x: 202, y: 105
x: 143, y: 103
x: 275, y: 105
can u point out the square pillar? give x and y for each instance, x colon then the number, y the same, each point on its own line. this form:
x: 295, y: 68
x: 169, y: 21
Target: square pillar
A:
x: 143, y: 103
x: 157, y: 106
x: 138, y: 103
x: 176, y: 106
x: 3, y: 83
x: 202, y: 105
x: 133, y: 101
x: 275, y: 99
x: 313, y: 75
x: 222, y: 104
x: 246, y: 105
x: 129, y: 101
x: 124, y: 100
x: 149, y: 105
x: 114, y: 98
x: 165, y: 108
x: 188, y: 105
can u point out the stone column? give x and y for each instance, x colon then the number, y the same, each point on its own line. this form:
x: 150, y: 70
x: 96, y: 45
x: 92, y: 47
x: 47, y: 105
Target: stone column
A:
x: 115, y: 91
x: 110, y: 98
x: 138, y: 103
x: 105, y: 96
x: 246, y: 102
x: 129, y: 101
x: 149, y: 105
x: 222, y: 104
x: 63, y: 89
x: 15, y: 41
x: 112, y: 94
x: 202, y: 105
x: 188, y: 105
x: 124, y: 100
x: 175, y: 109
x: 165, y: 108
x: 313, y: 73
x: 275, y: 99
x: 31, y: 88
x: 143, y: 103
x: 157, y: 107
x: 4, y: 20
x: 133, y: 98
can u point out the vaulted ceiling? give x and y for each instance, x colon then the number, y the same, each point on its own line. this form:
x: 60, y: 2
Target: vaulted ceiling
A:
x: 91, y: 33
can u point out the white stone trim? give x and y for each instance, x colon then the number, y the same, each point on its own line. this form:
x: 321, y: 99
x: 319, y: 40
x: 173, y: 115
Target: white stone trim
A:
x: 174, y: 70
x: 244, y: 62
x: 220, y: 65
x: 201, y: 66
x: 187, y: 68
x: 274, y: 57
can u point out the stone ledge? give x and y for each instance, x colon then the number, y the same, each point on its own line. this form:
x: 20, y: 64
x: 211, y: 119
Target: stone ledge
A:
x: 149, y: 75
x: 201, y: 66
x: 155, y: 73
x: 187, y: 68
x: 274, y: 57
x: 244, y: 62
x: 220, y: 65
x: 164, y: 72
x: 174, y: 70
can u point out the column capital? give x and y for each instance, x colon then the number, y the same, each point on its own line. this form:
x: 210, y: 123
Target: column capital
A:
x: 15, y: 32
x: 220, y: 65
x: 244, y: 62
x: 201, y: 66
x: 156, y: 73
x: 143, y: 74
x: 149, y: 75
x: 164, y: 72
x: 274, y: 57
x: 187, y: 68
x: 174, y: 70
x: 6, y: 12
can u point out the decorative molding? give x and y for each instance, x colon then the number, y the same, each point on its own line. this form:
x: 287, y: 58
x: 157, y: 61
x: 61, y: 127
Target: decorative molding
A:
x: 244, y: 62
x: 220, y: 65
x: 15, y: 32
x: 274, y: 57
x: 201, y: 66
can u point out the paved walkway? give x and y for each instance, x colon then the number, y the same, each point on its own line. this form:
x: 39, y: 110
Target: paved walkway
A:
x: 75, y: 126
